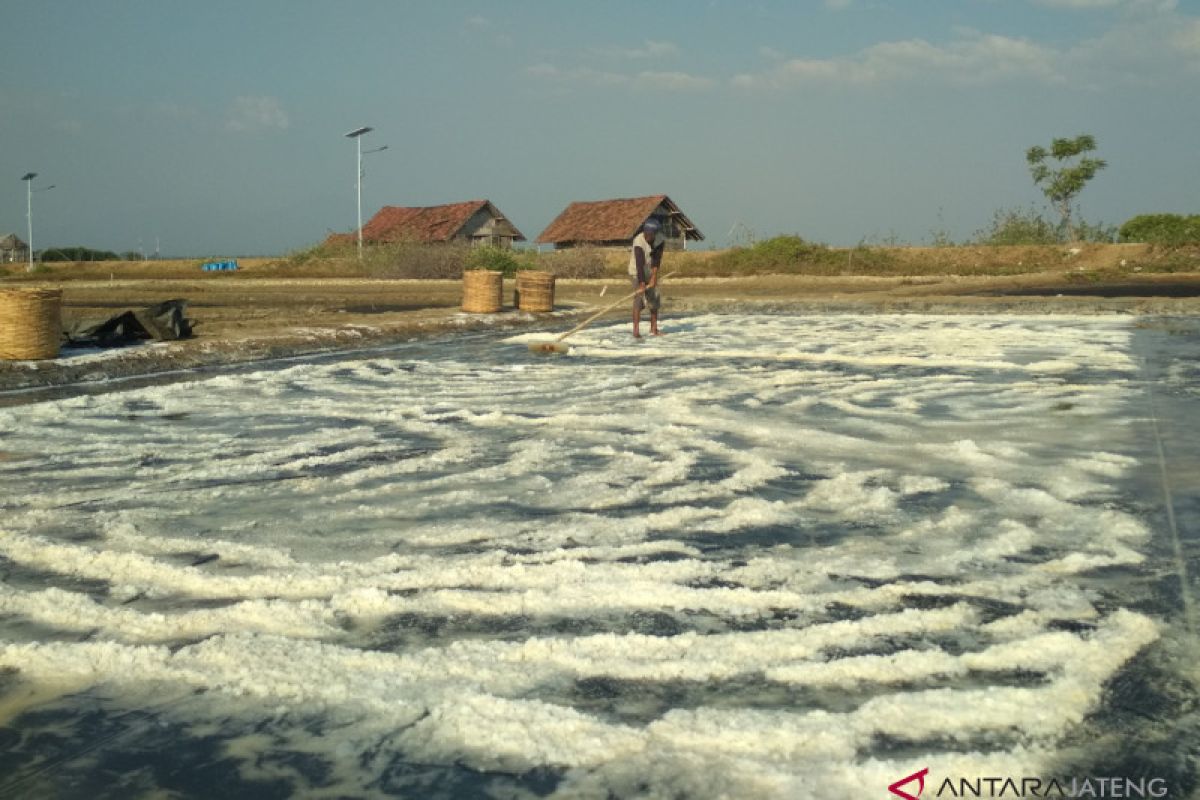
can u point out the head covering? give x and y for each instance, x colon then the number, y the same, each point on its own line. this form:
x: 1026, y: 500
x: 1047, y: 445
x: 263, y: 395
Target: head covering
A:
x: 651, y: 226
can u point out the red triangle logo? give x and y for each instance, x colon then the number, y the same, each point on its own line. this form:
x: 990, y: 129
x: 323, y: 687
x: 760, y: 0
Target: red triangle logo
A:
x: 916, y: 776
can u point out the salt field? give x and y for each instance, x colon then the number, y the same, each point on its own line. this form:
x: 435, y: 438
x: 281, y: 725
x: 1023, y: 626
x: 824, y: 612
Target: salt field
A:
x: 765, y: 556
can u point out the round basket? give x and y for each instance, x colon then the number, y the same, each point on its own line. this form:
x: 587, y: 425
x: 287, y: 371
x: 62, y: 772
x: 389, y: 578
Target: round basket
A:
x: 30, y: 323
x: 482, y: 291
x: 535, y: 290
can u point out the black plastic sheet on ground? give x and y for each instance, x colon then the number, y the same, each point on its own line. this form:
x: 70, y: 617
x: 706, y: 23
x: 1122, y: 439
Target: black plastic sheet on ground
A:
x: 165, y: 321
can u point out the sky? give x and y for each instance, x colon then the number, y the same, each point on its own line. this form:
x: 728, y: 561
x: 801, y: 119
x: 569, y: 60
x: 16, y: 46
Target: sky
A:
x: 217, y: 128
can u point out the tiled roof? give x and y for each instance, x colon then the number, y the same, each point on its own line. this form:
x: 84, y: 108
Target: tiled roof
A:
x: 340, y: 239
x: 601, y: 220
x: 421, y: 224
x: 427, y: 224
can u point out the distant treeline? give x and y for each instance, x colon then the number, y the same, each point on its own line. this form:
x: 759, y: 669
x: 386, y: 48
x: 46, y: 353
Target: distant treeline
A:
x: 1029, y: 226
x: 1009, y: 226
x: 86, y: 254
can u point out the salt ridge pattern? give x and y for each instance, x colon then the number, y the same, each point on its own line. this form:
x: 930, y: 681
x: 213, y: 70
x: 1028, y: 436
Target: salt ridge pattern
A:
x: 761, y: 557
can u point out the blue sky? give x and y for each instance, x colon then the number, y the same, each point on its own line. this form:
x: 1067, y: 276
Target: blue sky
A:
x: 217, y: 128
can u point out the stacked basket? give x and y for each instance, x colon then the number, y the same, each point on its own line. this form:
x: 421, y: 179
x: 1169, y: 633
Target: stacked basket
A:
x: 482, y: 291
x: 535, y: 290
x: 30, y: 323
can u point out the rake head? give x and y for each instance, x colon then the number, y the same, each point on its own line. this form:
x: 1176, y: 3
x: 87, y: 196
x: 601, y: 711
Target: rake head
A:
x: 556, y: 348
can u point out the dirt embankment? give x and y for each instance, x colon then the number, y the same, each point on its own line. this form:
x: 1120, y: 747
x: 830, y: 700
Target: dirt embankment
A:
x: 255, y: 314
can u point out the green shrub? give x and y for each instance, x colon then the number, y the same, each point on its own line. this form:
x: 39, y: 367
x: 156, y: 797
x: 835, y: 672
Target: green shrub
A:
x: 1099, y: 232
x: 1011, y: 226
x: 298, y: 258
x: 1017, y: 226
x: 783, y: 251
x: 409, y: 259
x: 497, y: 259
x: 417, y: 260
x: 778, y: 254
x: 793, y: 254
x: 865, y: 259
x: 1162, y: 229
x: 941, y: 237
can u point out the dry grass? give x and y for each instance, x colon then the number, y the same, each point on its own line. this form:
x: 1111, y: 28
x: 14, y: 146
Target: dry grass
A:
x: 973, y: 260
x: 124, y: 270
x: 446, y: 262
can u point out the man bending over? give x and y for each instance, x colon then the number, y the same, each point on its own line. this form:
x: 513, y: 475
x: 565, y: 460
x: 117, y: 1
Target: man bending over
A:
x: 644, y: 262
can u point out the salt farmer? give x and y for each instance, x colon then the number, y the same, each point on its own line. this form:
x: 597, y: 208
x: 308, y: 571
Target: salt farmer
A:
x: 644, y: 262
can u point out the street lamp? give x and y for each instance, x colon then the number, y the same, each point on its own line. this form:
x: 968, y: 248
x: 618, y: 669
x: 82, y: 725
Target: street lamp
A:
x: 28, y: 178
x: 362, y: 173
x: 356, y: 135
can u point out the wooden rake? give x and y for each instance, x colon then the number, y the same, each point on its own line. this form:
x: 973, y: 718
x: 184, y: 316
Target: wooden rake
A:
x: 557, y: 346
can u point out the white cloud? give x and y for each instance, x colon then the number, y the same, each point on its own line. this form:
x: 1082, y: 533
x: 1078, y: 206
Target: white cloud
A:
x: 168, y: 109
x: 838, y: 5
x: 477, y: 22
x: 248, y: 114
x: 1138, y: 49
x: 648, y: 49
x: 630, y: 77
x: 644, y: 80
x: 673, y: 81
x: 661, y: 49
x: 542, y: 70
x: 973, y: 58
x: 1145, y: 52
x: 583, y: 75
x: 1092, y: 5
x: 1186, y: 38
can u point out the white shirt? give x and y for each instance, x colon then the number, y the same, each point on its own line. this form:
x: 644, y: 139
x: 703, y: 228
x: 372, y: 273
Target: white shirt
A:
x: 641, y: 243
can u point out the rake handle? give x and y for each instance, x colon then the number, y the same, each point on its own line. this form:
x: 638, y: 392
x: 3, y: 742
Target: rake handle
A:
x: 603, y: 311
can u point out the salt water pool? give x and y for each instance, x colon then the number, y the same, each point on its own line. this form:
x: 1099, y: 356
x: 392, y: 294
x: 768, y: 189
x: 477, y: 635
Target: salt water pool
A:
x: 764, y: 556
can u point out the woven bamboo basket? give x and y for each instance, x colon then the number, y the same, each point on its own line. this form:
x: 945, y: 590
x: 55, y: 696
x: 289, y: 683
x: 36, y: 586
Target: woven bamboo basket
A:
x: 482, y: 291
x: 535, y: 290
x: 30, y: 323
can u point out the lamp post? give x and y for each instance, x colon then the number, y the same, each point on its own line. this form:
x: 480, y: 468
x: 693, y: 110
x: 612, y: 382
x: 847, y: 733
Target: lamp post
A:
x: 356, y: 135
x: 28, y: 178
x: 362, y: 173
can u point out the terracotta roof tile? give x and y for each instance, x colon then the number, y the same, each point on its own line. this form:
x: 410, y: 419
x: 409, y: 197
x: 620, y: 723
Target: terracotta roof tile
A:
x: 421, y: 224
x: 600, y: 220
x: 425, y: 224
x: 340, y: 239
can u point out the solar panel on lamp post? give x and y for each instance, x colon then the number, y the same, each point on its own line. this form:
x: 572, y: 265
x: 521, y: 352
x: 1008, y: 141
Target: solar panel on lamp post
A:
x: 356, y: 135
